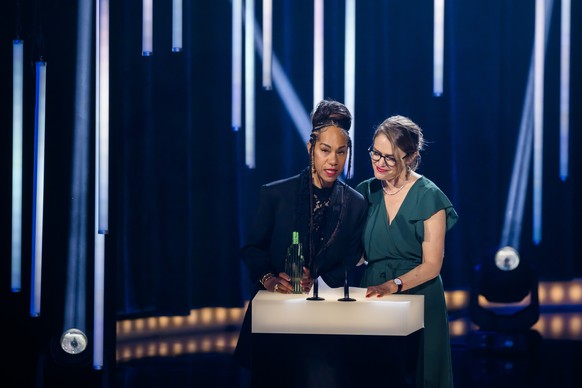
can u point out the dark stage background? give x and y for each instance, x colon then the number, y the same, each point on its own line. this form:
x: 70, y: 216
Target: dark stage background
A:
x: 181, y: 194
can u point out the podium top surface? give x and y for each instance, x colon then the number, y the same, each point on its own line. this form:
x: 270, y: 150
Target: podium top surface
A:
x: 394, y: 315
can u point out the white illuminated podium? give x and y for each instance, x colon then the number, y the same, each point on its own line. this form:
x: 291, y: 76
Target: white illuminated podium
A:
x: 330, y: 343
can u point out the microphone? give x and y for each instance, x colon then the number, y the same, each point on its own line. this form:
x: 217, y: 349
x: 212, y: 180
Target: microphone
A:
x: 315, y: 288
x: 346, y: 297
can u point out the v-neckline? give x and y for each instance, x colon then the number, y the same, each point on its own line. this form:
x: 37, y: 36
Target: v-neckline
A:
x: 388, y: 220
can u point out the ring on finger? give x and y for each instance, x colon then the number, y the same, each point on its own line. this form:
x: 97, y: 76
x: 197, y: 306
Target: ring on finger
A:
x: 276, y: 287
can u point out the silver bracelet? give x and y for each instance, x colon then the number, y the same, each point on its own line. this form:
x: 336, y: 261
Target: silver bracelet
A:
x: 266, y: 277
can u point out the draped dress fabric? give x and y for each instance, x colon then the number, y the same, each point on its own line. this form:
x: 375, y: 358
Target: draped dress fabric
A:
x: 393, y: 248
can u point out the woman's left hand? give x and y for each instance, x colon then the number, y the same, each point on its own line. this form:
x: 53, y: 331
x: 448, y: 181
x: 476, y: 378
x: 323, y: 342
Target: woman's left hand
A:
x: 379, y: 290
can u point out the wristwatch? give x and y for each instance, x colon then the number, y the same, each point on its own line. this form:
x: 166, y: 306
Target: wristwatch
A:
x: 399, y: 283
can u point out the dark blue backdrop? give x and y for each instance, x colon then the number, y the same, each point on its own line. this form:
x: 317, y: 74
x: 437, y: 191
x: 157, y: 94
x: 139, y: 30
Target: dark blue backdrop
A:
x: 181, y: 193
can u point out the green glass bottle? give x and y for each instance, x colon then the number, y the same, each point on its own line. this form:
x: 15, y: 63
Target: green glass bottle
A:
x: 294, y: 263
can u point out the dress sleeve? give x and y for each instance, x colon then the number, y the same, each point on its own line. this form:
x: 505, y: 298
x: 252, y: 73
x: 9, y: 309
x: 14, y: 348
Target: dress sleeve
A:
x: 431, y: 201
x: 364, y: 189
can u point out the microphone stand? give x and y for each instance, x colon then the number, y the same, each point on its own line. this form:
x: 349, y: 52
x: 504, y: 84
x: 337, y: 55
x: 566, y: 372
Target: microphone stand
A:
x: 315, y: 291
x: 346, y: 297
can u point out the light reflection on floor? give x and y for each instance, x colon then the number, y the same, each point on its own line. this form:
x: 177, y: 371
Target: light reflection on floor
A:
x: 215, y: 330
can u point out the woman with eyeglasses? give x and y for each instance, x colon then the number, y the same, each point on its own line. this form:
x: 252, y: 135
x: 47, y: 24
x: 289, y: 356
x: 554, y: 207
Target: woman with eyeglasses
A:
x: 327, y: 214
x: 404, y: 238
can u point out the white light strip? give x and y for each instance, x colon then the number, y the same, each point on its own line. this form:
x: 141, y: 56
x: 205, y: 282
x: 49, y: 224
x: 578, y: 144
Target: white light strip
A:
x: 565, y: 88
x: 299, y: 115
x: 236, y: 64
x: 17, y: 109
x: 176, y: 25
x: 38, y: 189
x: 317, y: 51
x: 539, y: 54
x: 438, y: 46
x: 147, y: 42
x: 267, y: 43
x: 101, y: 175
x: 249, y: 84
x: 350, y: 71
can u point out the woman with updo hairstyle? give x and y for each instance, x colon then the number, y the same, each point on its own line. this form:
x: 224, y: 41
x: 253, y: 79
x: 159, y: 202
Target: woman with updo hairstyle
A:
x: 327, y: 214
x: 404, y: 239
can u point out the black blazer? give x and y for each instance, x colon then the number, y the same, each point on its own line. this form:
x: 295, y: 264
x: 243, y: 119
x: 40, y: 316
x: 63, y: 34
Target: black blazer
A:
x: 266, y: 245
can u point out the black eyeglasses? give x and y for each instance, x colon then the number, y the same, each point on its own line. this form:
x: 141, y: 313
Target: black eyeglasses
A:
x: 389, y: 160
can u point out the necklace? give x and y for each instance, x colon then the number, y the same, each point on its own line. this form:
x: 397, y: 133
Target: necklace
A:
x: 397, y: 190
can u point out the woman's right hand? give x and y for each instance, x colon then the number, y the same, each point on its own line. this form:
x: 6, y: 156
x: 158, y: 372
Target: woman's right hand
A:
x: 279, y: 284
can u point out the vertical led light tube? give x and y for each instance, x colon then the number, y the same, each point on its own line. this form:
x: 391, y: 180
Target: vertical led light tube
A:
x: 350, y: 70
x: 101, y: 175
x: 236, y: 64
x: 147, y: 42
x: 38, y: 189
x: 75, y: 314
x: 176, y: 25
x: 565, y: 88
x: 103, y: 128
x: 267, y: 44
x: 317, y: 51
x: 438, y: 46
x: 250, y: 84
x: 539, y: 54
x: 17, y: 117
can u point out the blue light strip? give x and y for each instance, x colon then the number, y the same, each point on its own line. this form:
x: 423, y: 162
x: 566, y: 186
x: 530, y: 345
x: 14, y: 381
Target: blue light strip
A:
x: 38, y: 189
x: 103, y: 128
x: 75, y: 310
x: 236, y: 64
x: 99, y: 302
x: 267, y: 44
x: 101, y: 175
x: 318, y: 37
x: 147, y: 39
x: 17, y: 117
x: 249, y: 84
x: 438, y: 46
x: 350, y: 71
x: 565, y: 88
x: 176, y: 25
x: 539, y: 55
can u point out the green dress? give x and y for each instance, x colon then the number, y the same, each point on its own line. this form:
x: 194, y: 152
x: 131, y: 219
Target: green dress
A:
x: 394, y: 249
